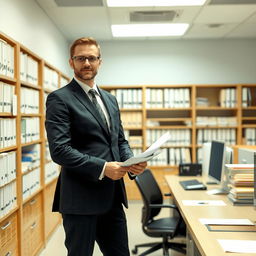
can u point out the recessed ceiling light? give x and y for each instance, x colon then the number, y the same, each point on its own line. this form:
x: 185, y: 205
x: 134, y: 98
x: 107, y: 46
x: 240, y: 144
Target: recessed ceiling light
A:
x: 147, y: 30
x: 129, y: 3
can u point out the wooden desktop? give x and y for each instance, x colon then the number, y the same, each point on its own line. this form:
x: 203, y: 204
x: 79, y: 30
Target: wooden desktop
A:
x: 200, y: 240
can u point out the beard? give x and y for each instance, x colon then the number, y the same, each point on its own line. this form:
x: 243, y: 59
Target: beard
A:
x: 85, y: 74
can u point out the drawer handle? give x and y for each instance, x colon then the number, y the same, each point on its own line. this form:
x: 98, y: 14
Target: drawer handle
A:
x: 6, y: 225
x: 33, y: 225
x: 8, y: 253
x: 32, y: 201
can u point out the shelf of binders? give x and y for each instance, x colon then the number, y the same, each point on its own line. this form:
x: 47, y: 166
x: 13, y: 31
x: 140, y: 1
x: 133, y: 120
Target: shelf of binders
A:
x: 27, y: 173
x: 248, y: 121
x: 9, y: 151
x: 198, y: 113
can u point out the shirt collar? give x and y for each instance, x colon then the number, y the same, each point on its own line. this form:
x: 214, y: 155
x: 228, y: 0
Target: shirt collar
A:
x: 86, y: 87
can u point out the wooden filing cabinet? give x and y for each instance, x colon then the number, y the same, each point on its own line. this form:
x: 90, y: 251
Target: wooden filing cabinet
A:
x: 52, y: 219
x: 8, y: 236
x: 32, y: 225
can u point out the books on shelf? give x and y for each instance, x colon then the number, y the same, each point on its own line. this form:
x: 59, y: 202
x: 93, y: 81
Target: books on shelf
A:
x: 7, y: 98
x: 246, y: 97
x: 128, y: 98
x: 216, y: 121
x: 30, y: 129
x: 179, y: 137
x: 28, y: 69
x: 30, y: 183
x: 227, y: 98
x: 29, y: 101
x: 6, y: 59
x: 51, y: 171
x: 131, y: 119
x: 168, y: 98
x: 172, y: 156
x: 8, y: 198
x: 250, y: 136
x: 227, y: 135
x: 50, y: 79
x: 7, y: 167
x: 7, y: 132
x: 202, y: 102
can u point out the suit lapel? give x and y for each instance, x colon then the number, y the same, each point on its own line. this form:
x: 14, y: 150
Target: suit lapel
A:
x: 84, y: 99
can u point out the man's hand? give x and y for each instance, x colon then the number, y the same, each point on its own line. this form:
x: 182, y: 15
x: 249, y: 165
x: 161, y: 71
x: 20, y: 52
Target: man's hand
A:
x: 115, y: 171
x: 136, y: 169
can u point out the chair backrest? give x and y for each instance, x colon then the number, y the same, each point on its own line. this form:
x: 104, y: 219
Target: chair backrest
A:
x: 151, y: 194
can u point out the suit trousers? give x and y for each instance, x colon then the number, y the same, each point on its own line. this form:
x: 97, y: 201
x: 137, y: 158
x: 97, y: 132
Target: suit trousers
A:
x: 109, y: 230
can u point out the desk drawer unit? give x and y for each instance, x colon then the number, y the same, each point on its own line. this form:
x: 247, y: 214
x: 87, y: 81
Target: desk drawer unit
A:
x: 8, y: 236
x: 32, y: 226
x: 51, y: 218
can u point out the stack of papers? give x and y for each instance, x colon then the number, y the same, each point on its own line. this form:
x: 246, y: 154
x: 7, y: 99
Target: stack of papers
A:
x: 151, y: 152
x: 241, y: 182
x: 238, y: 246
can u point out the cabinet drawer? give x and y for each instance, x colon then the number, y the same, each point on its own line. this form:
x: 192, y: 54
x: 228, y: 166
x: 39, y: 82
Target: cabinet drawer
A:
x: 10, y: 250
x: 51, y: 218
x: 8, y: 231
x: 31, y: 210
x: 33, y: 237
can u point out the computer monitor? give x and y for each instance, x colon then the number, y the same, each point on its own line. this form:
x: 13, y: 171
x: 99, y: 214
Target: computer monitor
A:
x: 220, y: 155
x: 216, y: 162
x: 245, y: 156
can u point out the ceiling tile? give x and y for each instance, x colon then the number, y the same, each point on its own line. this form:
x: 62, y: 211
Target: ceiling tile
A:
x: 204, y: 31
x: 251, y: 19
x: 244, y: 30
x: 225, y: 14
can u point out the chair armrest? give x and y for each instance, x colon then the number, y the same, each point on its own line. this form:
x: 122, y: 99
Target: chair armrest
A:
x: 163, y: 206
x: 171, y: 206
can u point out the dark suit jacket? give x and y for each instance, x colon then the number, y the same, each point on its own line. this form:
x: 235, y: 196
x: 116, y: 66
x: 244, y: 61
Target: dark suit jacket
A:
x: 81, y: 144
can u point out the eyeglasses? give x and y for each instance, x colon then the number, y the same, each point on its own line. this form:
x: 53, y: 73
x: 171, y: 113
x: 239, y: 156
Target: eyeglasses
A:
x: 82, y: 59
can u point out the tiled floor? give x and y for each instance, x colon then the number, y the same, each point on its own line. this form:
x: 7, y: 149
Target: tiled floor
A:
x: 55, y: 246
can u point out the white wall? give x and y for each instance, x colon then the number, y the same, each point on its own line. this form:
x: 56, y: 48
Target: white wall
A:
x: 221, y: 61
x: 25, y: 22
x: 135, y: 62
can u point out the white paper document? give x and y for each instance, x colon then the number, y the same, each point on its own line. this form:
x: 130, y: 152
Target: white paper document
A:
x: 151, y: 152
x: 203, y: 202
x: 231, y: 222
x: 238, y: 246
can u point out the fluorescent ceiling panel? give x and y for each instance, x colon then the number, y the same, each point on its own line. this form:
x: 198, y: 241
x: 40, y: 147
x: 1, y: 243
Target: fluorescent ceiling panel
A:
x: 75, y: 3
x: 148, y: 30
x: 130, y: 3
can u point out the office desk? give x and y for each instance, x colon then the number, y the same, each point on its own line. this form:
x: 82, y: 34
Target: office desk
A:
x: 205, y: 240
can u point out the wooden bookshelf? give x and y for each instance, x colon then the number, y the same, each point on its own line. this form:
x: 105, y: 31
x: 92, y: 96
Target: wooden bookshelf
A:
x: 205, y: 112
x: 27, y: 224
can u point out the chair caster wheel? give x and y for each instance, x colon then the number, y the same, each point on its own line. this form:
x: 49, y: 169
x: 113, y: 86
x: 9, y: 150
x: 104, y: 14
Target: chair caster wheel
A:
x: 134, y: 251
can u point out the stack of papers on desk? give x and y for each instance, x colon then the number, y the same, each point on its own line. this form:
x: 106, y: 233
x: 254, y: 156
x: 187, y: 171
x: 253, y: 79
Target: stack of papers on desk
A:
x: 226, y: 221
x: 241, y: 181
x: 238, y: 246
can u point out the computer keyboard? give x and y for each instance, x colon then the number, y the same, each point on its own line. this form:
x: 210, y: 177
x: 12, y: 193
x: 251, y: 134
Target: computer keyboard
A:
x: 192, y: 185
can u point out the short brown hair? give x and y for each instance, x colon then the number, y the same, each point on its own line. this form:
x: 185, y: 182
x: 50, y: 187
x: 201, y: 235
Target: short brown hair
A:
x: 86, y: 41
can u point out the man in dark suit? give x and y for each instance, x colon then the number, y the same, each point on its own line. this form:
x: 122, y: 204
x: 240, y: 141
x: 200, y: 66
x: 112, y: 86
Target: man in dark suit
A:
x: 86, y: 139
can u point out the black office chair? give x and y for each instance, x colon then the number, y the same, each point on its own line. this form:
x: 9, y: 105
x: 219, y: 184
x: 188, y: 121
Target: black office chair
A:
x: 166, y: 228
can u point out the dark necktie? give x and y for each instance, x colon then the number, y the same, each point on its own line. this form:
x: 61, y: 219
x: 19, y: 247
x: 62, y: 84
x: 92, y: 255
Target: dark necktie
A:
x: 92, y: 92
